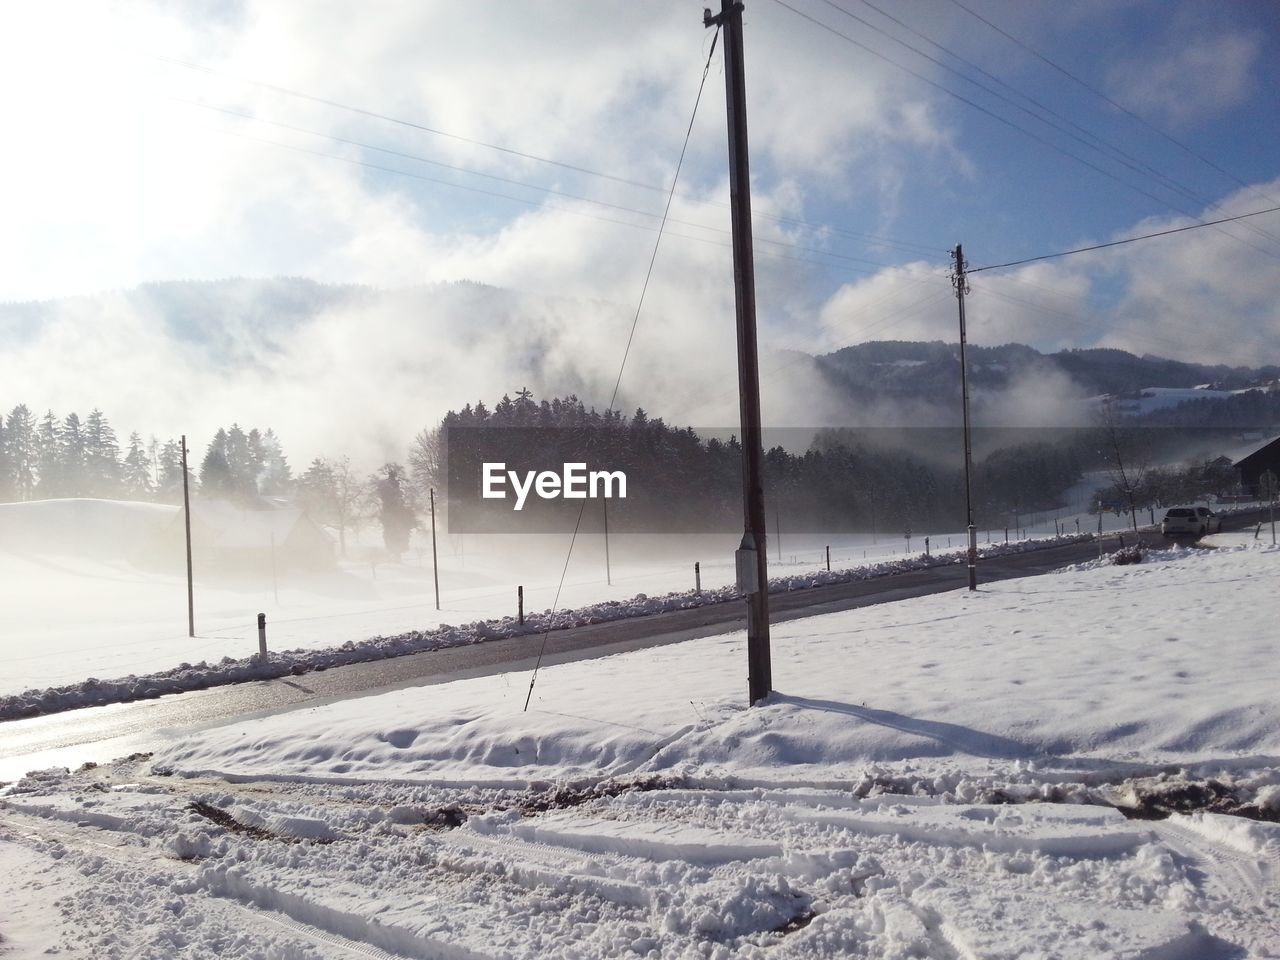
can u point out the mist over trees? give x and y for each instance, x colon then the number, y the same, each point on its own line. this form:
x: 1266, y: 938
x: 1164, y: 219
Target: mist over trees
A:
x: 49, y: 457
x: 837, y: 479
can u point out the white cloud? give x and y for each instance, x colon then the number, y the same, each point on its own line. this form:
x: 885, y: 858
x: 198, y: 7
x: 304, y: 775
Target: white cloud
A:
x: 1195, y: 75
x: 116, y: 183
x: 1204, y: 295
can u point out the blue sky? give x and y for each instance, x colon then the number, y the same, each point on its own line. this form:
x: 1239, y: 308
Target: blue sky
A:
x: 130, y: 167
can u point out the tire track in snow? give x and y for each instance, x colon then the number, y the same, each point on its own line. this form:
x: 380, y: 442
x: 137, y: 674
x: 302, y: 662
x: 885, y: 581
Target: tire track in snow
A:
x: 256, y: 902
x: 1237, y: 875
x: 537, y: 863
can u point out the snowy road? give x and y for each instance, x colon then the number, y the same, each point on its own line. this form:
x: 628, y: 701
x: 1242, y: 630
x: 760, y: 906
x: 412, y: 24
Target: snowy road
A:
x: 100, y: 733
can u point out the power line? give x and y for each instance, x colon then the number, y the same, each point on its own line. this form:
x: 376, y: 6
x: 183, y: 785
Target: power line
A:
x: 525, y: 200
x: 388, y: 118
x: 1096, y: 92
x: 635, y: 320
x: 1122, y: 157
x: 1163, y: 203
x: 1117, y: 243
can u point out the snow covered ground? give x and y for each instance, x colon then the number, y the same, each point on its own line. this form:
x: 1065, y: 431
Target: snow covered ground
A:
x: 935, y: 778
x: 77, y: 608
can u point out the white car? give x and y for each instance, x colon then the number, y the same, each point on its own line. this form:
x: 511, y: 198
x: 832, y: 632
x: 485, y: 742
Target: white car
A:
x: 1190, y: 522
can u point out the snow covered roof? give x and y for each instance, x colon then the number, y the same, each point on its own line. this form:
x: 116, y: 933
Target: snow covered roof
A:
x: 1255, y: 449
x: 231, y: 527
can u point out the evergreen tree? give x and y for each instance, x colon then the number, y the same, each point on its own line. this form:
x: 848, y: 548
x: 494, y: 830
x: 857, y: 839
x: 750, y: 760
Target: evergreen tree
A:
x: 242, y: 468
x: 215, y: 469
x: 50, y: 474
x: 317, y: 491
x: 6, y: 465
x: 169, y: 485
x: 21, y: 453
x: 102, y: 456
x: 394, y: 510
x: 275, y: 478
x: 72, y: 457
x: 136, y: 474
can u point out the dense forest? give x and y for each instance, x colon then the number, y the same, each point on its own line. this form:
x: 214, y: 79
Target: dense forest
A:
x: 679, y: 481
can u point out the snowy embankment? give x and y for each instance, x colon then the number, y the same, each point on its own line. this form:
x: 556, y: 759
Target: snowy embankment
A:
x: 935, y: 778
x: 204, y: 674
x: 1169, y: 661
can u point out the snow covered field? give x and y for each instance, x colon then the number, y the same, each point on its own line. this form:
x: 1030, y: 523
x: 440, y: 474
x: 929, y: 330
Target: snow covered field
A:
x: 934, y: 778
x: 77, y: 607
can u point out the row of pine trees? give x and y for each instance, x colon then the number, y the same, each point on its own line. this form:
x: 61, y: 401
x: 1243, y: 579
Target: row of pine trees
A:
x: 48, y: 457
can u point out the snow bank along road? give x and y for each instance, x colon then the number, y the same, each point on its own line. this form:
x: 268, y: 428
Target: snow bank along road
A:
x: 1081, y: 765
x: 130, y: 726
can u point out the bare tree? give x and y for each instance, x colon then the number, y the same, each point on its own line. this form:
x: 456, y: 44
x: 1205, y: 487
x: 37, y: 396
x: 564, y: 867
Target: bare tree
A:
x: 334, y: 494
x: 426, y: 463
x: 1127, y: 460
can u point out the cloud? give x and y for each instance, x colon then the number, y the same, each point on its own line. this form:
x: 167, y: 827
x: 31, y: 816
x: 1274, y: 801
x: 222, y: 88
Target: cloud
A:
x: 1194, y: 75
x: 1204, y: 294
x: 113, y: 182
x: 1209, y: 295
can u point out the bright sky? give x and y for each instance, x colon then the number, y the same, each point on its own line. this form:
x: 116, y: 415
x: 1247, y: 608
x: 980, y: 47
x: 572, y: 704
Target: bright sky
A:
x: 125, y: 163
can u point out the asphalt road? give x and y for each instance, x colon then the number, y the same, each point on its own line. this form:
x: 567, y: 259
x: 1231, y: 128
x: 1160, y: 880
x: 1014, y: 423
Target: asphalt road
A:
x: 103, y: 733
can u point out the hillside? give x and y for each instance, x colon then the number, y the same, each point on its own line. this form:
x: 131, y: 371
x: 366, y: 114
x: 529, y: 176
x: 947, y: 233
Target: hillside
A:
x: 905, y: 369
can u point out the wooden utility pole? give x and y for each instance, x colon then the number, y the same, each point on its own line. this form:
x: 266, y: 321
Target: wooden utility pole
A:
x: 752, y: 564
x: 961, y: 283
x: 435, y: 566
x: 186, y: 519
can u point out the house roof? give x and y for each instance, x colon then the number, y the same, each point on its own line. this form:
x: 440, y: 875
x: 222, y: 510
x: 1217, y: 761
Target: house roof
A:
x: 230, y: 527
x: 1270, y: 447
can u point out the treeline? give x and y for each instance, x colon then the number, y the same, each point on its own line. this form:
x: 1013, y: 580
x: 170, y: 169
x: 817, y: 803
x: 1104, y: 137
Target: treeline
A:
x: 47, y: 457
x: 851, y: 480
x: 50, y: 457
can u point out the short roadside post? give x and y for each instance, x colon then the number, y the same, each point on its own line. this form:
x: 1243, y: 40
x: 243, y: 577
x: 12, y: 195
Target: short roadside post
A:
x: 697, y: 577
x: 262, y: 638
x: 520, y: 604
x: 435, y: 565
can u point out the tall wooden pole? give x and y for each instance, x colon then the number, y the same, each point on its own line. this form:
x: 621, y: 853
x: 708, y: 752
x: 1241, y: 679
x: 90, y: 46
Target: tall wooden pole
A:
x: 961, y: 283
x: 435, y: 566
x: 186, y: 519
x: 753, y: 567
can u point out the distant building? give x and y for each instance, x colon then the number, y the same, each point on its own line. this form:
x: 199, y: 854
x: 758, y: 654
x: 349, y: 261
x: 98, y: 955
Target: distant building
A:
x: 230, y: 539
x: 1252, y: 467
